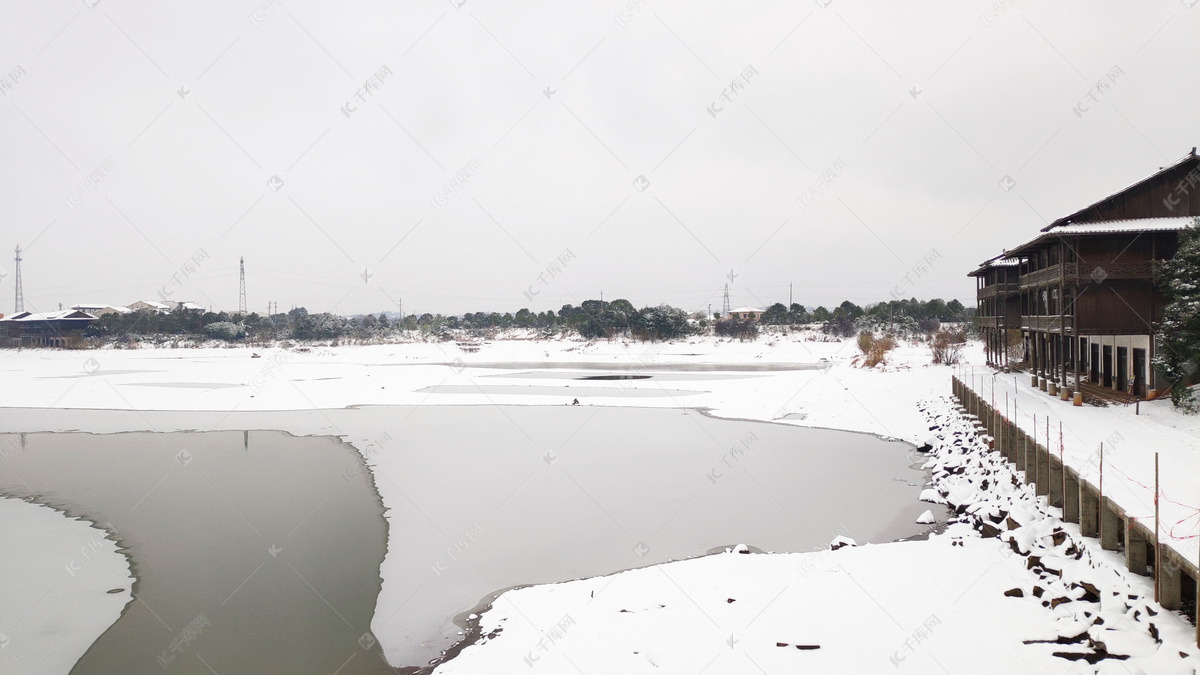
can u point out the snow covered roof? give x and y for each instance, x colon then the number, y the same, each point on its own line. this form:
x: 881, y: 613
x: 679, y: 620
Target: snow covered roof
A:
x: 90, y: 306
x: 150, y: 303
x: 998, y: 261
x: 740, y: 310
x: 189, y: 305
x: 1129, y: 226
x: 50, y: 316
x: 1189, y: 158
x: 1134, y: 225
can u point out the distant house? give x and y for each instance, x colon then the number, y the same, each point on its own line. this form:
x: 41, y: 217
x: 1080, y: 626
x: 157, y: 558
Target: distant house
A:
x: 189, y: 307
x: 149, y: 306
x: 99, y: 310
x: 1082, y: 292
x: 746, y: 313
x: 47, y: 329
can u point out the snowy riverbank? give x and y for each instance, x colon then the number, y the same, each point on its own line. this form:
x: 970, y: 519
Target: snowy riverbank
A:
x: 1006, y: 588
x: 829, y: 392
x: 63, y: 582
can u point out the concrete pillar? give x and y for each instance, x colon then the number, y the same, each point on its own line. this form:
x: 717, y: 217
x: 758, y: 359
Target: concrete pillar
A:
x: 1135, y: 548
x: 1170, y: 581
x: 1042, y: 383
x: 1052, y: 388
x: 1089, y: 512
x: 1110, y: 525
x: 1077, y: 400
x: 1071, y: 499
x: 1042, y: 473
x: 1055, y: 482
x: 1033, y: 380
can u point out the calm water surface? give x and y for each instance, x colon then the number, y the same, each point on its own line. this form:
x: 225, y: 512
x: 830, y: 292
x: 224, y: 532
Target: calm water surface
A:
x: 277, y: 541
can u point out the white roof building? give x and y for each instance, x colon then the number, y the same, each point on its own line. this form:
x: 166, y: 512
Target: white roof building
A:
x: 100, y: 309
x: 744, y: 313
x: 149, y: 306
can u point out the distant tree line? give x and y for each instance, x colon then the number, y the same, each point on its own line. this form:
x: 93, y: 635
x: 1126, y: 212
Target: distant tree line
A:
x: 592, y: 319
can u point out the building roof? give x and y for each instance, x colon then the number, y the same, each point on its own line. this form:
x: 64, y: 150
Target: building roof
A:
x: 50, y: 316
x: 88, y: 306
x: 189, y: 305
x: 998, y: 261
x: 739, y: 310
x: 1189, y: 158
x: 1133, y: 225
x: 1130, y: 226
x: 151, y: 303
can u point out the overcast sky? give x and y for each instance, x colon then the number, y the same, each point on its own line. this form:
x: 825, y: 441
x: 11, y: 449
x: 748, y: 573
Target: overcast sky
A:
x: 662, y: 149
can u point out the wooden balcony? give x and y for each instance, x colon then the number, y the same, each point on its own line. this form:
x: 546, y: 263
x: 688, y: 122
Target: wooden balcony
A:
x: 1088, y: 272
x: 1052, y: 324
x: 1043, y: 276
x: 995, y: 289
x: 1121, y: 269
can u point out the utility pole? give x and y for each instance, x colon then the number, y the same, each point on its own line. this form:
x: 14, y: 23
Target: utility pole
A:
x: 789, y: 296
x: 19, y: 302
x: 242, y: 287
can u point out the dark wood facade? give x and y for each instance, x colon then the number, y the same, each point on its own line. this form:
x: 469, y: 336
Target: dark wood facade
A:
x: 1084, y: 289
x: 55, y: 329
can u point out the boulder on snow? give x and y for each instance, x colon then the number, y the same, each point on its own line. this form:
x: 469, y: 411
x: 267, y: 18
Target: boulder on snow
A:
x: 841, y: 542
x: 930, y: 495
x: 926, y: 518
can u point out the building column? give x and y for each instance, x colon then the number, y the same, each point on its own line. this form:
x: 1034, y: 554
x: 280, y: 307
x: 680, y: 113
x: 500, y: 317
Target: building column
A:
x: 1135, y: 549
x: 1170, y: 580
x: 1089, y: 511
x: 1110, y: 525
x: 1071, y: 498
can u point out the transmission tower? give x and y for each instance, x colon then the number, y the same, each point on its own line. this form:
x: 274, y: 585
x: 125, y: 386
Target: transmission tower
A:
x: 19, y: 301
x: 242, y: 289
x: 725, y: 302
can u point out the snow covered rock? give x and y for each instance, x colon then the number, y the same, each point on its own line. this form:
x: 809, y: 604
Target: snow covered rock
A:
x: 930, y: 495
x: 840, y: 542
x: 926, y: 518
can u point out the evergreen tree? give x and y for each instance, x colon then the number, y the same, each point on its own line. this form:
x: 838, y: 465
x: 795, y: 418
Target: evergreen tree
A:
x: 1178, y: 354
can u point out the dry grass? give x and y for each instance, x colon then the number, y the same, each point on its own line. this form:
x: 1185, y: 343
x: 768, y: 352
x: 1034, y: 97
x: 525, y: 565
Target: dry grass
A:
x: 875, y: 348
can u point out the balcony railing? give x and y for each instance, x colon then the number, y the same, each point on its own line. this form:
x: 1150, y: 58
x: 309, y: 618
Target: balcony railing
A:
x: 1120, y: 269
x: 995, y: 289
x: 1088, y: 272
x: 1046, y: 323
x: 1043, y: 276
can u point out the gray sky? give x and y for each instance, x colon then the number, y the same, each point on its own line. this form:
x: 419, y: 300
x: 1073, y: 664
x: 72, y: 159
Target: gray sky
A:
x: 624, y: 133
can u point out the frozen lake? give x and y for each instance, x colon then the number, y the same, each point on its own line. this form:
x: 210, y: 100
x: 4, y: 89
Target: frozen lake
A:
x: 480, y: 498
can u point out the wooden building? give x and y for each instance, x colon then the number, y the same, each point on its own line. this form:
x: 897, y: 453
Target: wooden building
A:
x: 1082, y: 292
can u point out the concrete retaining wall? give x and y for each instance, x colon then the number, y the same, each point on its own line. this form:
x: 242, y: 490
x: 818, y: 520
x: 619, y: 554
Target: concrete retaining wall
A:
x: 1081, y: 502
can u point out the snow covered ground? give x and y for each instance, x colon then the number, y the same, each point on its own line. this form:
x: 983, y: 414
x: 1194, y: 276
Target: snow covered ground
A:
x: 899, y: 586
x: 1130, y: 435
x: 1028, y: 595
x: 56, y: 574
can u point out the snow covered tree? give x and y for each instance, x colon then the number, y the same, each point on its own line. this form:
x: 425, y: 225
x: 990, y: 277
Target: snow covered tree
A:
x: 1179, y: 332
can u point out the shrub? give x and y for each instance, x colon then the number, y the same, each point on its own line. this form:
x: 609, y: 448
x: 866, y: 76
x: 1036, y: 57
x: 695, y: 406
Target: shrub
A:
x: 735, y: 327
x: 946, y: 346
x: 875, y: 349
